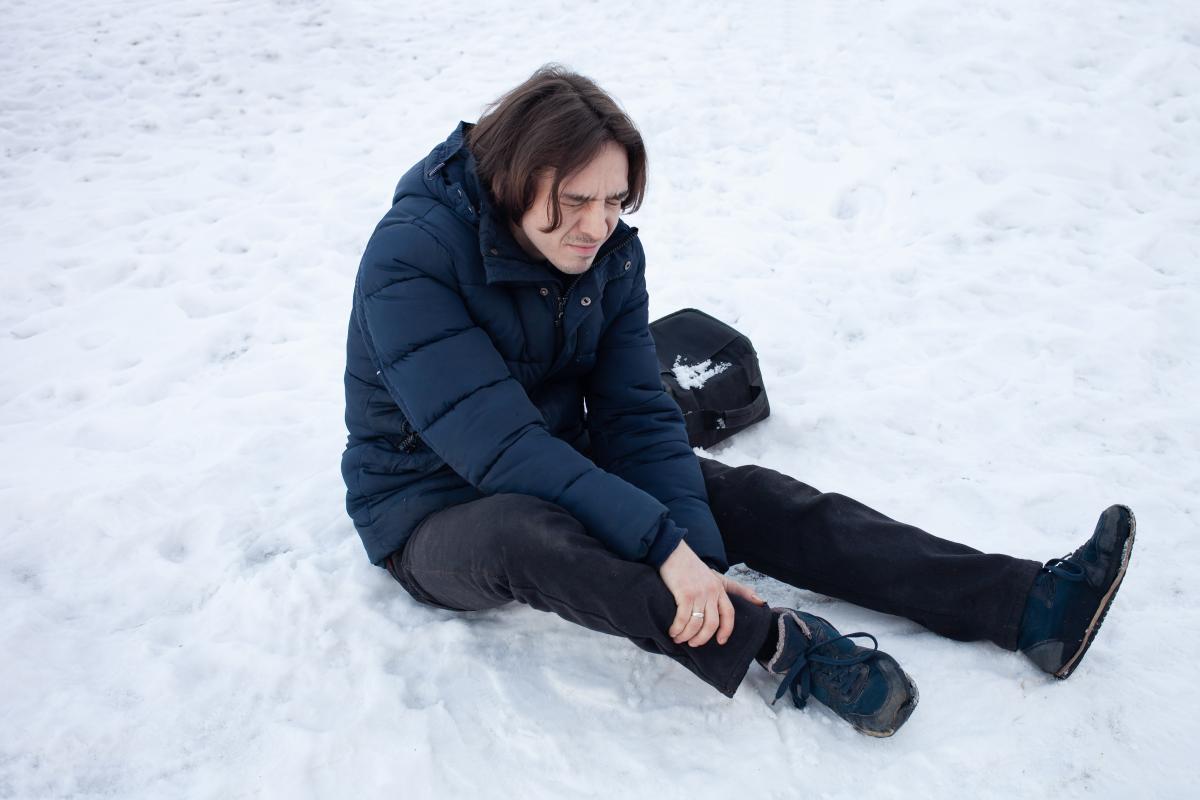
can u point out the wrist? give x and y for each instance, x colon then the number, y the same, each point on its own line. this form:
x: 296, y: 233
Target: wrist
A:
x: 665, y: 545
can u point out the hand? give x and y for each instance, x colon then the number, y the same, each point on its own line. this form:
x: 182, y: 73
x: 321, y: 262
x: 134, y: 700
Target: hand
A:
x: 741, y: 590
x: 697, y: 588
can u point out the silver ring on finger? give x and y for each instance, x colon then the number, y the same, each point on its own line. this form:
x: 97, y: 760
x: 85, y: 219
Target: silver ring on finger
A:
x: 697, y: 615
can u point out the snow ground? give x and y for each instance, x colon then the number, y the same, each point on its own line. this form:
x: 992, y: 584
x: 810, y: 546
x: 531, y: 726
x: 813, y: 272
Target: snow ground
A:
x: 963, y: 235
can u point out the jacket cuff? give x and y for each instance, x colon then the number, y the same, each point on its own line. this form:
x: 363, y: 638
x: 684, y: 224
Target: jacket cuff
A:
x: 669, y: 537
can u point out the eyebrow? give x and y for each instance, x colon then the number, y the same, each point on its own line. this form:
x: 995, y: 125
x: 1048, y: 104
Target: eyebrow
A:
x: 587, y: 198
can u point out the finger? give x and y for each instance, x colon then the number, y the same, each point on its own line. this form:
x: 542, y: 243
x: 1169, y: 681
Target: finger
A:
x: 693, y: 624
x: 712, y: 618
x: 726, y: 628
x: 683, y: 610
x: 735, y: 588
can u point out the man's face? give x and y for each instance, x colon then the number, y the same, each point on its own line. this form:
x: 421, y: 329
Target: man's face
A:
x: 591, y: 205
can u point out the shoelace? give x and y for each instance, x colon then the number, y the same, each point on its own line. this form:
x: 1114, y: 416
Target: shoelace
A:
x: 1062, y: 568
x: 800, y: 672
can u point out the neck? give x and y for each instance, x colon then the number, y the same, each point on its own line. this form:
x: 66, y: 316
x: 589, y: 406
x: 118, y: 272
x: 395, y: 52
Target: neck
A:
x: 523, y: 241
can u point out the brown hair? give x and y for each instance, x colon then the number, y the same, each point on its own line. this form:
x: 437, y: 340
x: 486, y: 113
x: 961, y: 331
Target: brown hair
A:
x: 556, y: 121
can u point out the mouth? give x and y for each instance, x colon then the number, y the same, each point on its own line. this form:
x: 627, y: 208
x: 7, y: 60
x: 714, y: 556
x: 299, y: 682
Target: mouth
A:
x: 584, y: 249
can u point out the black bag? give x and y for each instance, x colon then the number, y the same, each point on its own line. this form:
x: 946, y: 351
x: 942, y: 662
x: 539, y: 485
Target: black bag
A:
x: 712, y: 372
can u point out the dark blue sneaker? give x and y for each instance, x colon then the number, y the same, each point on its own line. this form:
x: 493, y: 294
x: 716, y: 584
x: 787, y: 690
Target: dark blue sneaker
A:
x: 865, y: 687
x: 1071, y: 595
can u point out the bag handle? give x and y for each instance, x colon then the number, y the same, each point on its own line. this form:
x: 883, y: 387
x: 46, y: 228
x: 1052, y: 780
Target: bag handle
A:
x: 735, y: 417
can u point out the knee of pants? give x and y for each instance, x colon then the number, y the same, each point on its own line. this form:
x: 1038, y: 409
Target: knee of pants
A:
x: 523, y: 528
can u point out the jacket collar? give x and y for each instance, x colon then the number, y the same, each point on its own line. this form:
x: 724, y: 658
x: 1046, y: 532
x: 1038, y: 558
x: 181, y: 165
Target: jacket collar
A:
x: 505, y: 262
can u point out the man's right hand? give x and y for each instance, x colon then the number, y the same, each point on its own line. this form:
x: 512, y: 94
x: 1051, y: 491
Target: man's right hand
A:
x: 699, y: 589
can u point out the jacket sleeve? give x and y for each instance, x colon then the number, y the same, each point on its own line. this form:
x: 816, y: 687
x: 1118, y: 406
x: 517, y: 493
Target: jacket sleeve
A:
x: 637, y: 430
x: 448, y: 379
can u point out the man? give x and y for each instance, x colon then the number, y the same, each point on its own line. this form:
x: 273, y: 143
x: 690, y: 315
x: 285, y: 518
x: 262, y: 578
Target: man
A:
x: 510, y: 440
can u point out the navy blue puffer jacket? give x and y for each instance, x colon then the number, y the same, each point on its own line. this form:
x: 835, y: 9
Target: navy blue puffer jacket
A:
x: 471, y: 371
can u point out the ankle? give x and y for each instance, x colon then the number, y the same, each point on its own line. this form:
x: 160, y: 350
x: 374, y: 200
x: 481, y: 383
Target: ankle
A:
x: 770, y: 645
x: 1037, y: 604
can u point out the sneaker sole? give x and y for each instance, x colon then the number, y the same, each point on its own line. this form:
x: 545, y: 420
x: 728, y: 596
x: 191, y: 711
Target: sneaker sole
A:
x: 1066, y: 669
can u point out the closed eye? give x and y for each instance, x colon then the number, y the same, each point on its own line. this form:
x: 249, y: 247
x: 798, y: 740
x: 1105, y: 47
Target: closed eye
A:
x: 576, y: 200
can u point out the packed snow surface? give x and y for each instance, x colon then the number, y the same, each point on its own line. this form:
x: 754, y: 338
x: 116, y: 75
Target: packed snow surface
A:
x: 963, y: 236
x: 694, y: 376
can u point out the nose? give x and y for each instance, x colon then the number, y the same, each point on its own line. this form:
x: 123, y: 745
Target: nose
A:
x: 594, y: 222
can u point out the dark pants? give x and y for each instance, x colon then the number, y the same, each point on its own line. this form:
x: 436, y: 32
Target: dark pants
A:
x: 502, y: 548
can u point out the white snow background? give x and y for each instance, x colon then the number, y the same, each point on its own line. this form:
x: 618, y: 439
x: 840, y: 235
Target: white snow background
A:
x: 964, y: 237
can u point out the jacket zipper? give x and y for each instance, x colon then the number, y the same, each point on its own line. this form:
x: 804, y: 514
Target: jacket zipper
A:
x: 559, y: 336
x: 566, y: 296
x: 562, y: 302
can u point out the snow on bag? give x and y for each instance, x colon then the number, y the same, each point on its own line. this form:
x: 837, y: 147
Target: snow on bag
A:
x: 711, y: 370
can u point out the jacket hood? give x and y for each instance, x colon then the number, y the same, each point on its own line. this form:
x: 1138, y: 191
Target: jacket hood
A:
x: 442, y: 176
